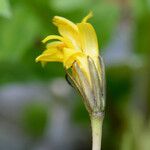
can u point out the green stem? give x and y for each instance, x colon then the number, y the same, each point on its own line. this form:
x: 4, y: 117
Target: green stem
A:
x: 96, y: 124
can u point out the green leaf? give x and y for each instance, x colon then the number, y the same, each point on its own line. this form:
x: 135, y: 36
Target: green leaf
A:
x: 105, y: 20
x: 18, y: 34
x: 5, y: 8
x: 68, y: 5
x: 35, y: 117
x: 140, y: 7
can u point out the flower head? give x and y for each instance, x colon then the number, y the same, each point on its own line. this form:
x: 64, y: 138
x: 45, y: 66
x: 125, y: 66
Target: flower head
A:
x: 75, y: 43
x: 77, y: 48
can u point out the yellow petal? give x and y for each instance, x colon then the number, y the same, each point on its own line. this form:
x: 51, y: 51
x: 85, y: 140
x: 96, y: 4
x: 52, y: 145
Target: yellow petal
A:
x: 68, y: 30
x: 82, y: 61
x: 88, y: 39
x: 53, y: 37
x: 56, y: 37
x: 55, y: 44
x: 51, y: 55
x: 58, y: 21
x: 70, y: 56
x: 51, y: 49
x: 85, y: 19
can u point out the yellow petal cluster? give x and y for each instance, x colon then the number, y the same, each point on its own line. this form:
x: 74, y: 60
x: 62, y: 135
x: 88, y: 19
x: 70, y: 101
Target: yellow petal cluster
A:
x: 75, y: 43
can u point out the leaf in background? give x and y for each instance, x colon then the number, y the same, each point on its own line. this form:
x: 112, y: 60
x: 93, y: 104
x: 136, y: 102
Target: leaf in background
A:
x: 34, y: 119
x: 5, y: 8
x: 68, y: 5
x: 105, y: 20
x: 80, y: 114
x: 18, y: 34
x: 141, y: 12
x: 140, y: 7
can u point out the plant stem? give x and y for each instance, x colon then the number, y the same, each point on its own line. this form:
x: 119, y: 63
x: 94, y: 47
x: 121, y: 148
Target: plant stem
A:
x: 96, y: 125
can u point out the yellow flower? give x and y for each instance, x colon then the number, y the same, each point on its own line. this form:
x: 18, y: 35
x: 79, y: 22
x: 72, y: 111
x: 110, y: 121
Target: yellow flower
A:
x: 77, y: 48
x: 74, y: 44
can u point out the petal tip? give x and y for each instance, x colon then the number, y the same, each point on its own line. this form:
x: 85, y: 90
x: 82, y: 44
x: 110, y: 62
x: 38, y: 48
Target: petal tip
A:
x: 54, y: 20
x: 88, y: 16
x: 37, y: 59
x: 57, y: 20
x: 43, y: 41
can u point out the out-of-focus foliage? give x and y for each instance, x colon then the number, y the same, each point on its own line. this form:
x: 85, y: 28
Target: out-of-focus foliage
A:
x: 17, y: 34
x: 68, y: 5
x: 142, y: 23
x: 5, y: 10
x: 80, y: 114
x: 35, y: 119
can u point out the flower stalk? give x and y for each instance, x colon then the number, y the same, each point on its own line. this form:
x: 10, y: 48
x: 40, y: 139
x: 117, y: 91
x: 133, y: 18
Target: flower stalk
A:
x: 96, y: 125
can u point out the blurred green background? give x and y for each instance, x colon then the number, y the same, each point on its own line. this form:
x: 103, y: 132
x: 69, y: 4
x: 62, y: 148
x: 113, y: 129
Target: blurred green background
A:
x: 39, y: 110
